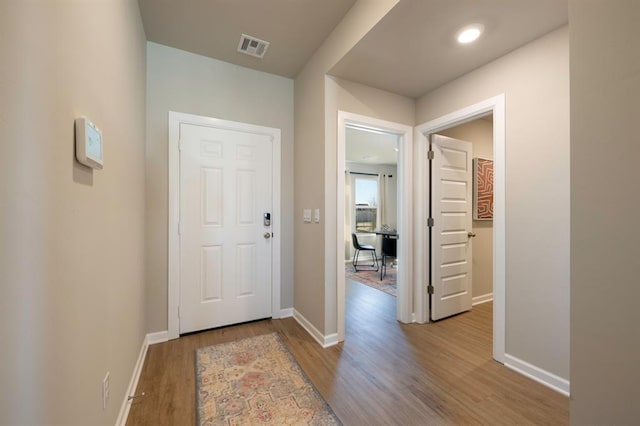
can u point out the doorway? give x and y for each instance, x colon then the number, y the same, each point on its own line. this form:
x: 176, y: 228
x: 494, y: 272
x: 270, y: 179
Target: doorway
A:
x: 404, y: 135
x: 371, y: 177
x: 226, y: 159
x: 495, y: 106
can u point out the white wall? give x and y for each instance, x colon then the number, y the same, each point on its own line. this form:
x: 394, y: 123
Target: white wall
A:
x: 189, y: 83
x: 535, y: 81
x: 605, y: 107
x: 71, y: 239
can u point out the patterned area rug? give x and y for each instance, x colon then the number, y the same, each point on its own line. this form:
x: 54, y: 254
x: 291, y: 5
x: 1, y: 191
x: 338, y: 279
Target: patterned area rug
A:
x: 256, y: 381
x: 372, y: 278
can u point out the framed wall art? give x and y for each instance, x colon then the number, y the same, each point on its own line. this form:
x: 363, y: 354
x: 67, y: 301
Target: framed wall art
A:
x: 482, y: 189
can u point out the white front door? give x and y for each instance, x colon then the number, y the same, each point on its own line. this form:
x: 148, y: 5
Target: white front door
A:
x: 225, y: 243
x: 451, y: 204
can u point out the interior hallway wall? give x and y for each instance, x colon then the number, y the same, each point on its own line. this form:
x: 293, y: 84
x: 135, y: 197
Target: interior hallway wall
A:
x: 71, y: 238
x: 605, y: 106
x: 535, y: 81
x: 185, y: 82
x: 480, y: 134
x: 344, y: 95
x: 315, y: 263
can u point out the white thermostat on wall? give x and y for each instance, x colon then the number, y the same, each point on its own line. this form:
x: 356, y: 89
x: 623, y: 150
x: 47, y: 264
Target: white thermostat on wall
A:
x: 89, y: 149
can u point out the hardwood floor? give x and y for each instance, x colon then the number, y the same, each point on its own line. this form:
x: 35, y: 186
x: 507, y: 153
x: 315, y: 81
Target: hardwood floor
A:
x: 385, y: 373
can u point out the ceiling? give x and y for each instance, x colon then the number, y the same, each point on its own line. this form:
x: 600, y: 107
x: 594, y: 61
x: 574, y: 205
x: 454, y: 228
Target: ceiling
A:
x: 411, y: 51
x: 295, y: 28
x: 365, y: 146
x: 370, y: 147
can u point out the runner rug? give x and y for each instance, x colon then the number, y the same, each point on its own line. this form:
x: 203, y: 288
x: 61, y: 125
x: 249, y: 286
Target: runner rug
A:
x: 256, y: 381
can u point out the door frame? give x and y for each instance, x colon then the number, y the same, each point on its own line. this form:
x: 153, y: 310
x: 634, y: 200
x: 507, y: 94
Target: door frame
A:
x: 495, y: 105
x: 173, y: 293
x: 405, y: 197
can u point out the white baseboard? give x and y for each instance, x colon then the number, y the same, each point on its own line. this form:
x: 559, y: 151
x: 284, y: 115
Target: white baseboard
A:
x: 284, y: 313
x: 330, y: 340
x: 482, y: 299
x: 149, y: 339
x: 324, y: 341
x: 538, y: 374
x: 133, y: 384
x: 158, y: 337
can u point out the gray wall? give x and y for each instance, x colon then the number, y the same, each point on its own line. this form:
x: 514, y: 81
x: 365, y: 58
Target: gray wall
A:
x: 71, y: 239
x: 605, y: 107
x: 185, y: 82
x: 535, y: 81
x: 344, y: 95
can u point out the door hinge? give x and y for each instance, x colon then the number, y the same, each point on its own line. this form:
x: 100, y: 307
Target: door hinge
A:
x: 430, y: 289
x: 179, y: 228
x: 180, y: 145
x: 430, y: 222
x: 430, y: 155
x: 178, y: 311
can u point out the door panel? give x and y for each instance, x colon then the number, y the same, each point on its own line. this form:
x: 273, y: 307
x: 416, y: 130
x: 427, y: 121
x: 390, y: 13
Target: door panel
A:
x: 451, y: 204
x: 212, y: 273
x: 225, y: 259
x: 212, y: 205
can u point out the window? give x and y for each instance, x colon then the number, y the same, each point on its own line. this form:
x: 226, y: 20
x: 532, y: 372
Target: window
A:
x: 366, y: 203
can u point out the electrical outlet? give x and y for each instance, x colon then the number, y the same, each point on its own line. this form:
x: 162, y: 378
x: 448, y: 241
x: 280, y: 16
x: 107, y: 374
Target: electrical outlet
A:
x: 105, y: 391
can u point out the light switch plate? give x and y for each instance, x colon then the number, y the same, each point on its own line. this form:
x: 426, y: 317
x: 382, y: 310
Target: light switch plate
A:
x: 316, y: 216
x: 306, y: 215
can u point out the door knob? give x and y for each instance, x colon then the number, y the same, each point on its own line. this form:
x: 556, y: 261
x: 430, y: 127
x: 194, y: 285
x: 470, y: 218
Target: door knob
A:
x: 267, y: 235
x: 471, y: 234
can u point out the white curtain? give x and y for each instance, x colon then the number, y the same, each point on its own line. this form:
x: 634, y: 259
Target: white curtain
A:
x: 381, y: 218
x: 348, y: 211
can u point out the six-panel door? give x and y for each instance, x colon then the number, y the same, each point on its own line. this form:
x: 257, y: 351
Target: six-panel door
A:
x: 225, y: 246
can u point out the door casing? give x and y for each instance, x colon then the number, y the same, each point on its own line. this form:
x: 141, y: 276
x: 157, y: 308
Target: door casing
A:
x: 173, y: 296
x: 495, y: 105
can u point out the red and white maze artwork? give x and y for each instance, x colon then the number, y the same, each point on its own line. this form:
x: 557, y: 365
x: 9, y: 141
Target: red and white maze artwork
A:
x: 483, y: 189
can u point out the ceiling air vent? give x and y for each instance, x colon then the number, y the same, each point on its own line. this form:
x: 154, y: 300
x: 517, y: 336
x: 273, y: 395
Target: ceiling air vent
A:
x: 253, y: 46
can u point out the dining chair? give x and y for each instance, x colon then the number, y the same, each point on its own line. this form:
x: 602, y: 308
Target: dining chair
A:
x: 363, y: 247
x: 389, y: 249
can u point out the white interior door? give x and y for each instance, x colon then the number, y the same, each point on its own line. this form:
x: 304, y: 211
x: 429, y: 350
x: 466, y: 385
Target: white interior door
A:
x: 225, y: 244
x: 451, y: 204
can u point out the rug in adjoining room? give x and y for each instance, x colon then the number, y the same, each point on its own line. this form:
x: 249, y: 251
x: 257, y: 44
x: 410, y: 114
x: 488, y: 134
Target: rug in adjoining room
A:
x: 372, y: 278
x: 256, y: 381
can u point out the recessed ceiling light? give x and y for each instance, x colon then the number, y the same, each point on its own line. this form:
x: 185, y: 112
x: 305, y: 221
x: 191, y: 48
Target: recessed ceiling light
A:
x: 469, y: 33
